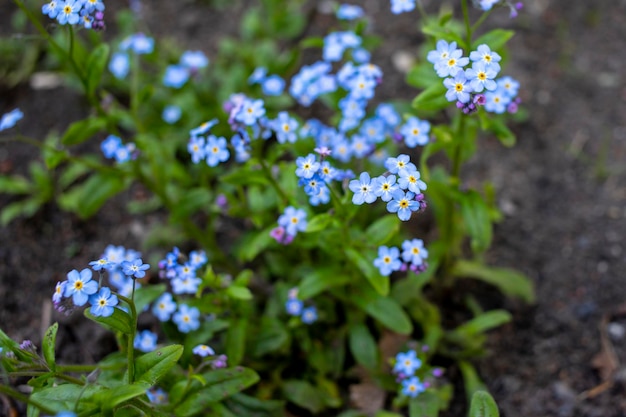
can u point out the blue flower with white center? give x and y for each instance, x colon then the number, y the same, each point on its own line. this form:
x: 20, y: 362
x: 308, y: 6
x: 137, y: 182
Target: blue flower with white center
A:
x: 124, y: 153
x: 388, y: 114
x: 145, y: 341
x: 115, y: 254
x: 119, y: 65
x: 197, y: 258
x: 341, y: 149
x: 508, y: 85
x: 363, y: 190
x: 402, y: 161
x: 110, y: 145
x: 171, y: 114
x: 9, y: 119
x: 194, y: 60
x: 293, y: 306
x: 349, y: 12
x: 452, y: 65
x: 409, y: 179
x: 185, y: 284
x: 415, y: 132
x: 362, y: 87
x: 68, y: 12
x: 486, y: 5
x: 459, y: 88
x: 102, y: 263
x: 86, y: 19
x: 241, y: 146
x: 163, y: 307
x: 257, y: 76
x: 403, y: 204
x: 309, y: 315
x: 412, y: 387
x: 361, y: 55
x: 203, y: 351
x: 322, y: 197
x: 187, y: 318
x: 401, y: 6
x: 273, y: 85
x: 352, y: 108
x: 139, y: 43
x: 313, y: 185
x: 407, y: 363
x: 103, y: 303
x: 360, y: 146
x: 307, y: 166
x: 93, y: 5
x: 485, y: 55
x: 175, y: 76
x: 135, y: 268
x: 373, y: 130
x: 496, y: 101
x: 51, y: 9
x: 250, y: 112
x: 157, y: 396
x: 58, y: 292
x: 413, y: 251
x: 216, y: 150
x: 203, y: 128
x: 442, y: 52
x: 388, y: 260
x: 384, y: 187
x: 285, y: 127
x: 197, y: 149
x: 481, y: 77
x: 326, y: 172
x: 80, y: 286
x: 293, y: 220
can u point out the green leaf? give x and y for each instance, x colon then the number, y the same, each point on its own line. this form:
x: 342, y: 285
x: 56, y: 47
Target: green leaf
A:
x: 24, y: 208
x: 303, y: 394
x: 220, y: 384
x: 15, y: 185
x: 153, y: 366
x: 482, y: 323
x: 118, y: 395
x: 119, y: 321
x: 236, y: 341
x: 319, y: 222
x: 433, y: 98
x: 426, y: 404
x: 245, y: 176
x: 384, y: 309
x: 48, y: 345
x: 383, y: 229
x: 191, y: 202
x: 495, y: 39
x: 312, y: 42
x: 87, y: 198
x: 379, y: 283
x: 483, y: 405
x: 475, y: 215
x: 363, y: 346
x: 321, y: 279
x: 272, y: 336
x: 239, y: 293
x: 471, y: 380
x: 246, y: 405
x: 512, y: 283
x: 96, y: 63
x: 80, y: 131
x: 503, y: 133
x: 147, y: 294
x: 253, y: 244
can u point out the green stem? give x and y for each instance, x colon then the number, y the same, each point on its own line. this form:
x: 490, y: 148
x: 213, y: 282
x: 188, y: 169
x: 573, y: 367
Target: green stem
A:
x: 468, y: 26
x: 130, y: 354
x: 25, y: 399
x: 268, y: 174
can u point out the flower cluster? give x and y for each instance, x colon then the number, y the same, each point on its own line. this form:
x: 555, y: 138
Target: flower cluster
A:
x: 215, y: 361
x: 414, y: 376
x: 401, y: 187
x: 122, y: 265
x: 211, y: 148
x: 295, y: 307
x: 86, y: 13
x: 139, y: 43
x: 113, y: 148
x: 290, y: 223
x: 413, y: 254
x: 190, y: 63
x: 9, y: 119
x: 471, y: 87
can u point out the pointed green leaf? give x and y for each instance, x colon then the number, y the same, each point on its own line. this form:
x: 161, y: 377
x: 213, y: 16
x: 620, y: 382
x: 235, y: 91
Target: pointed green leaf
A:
x: 426, y: 404
x: 383, y: 229
x: 113, y: 397
x: 433, y: 98
x: 471, y: 380
x: 304, y: 395
x: 96, y: 63
x: 48, y: 345
x: 319, y: 222
x: 153, y: 366
x: 379, y: 283
x: 483, y: 405
x: 239, y: 293
x: 495, y: 39
x: 236, y: 341
x: 86, y: 198
x: 147, y: 294
x: 80, y: 131
x: 477, y: 221
x: 482, y: 323
x: 119, y: 321
x: 363, y: 346
x: 321, y: 279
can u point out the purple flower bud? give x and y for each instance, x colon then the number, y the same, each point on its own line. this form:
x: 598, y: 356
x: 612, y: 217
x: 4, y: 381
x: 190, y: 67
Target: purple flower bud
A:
x: 480, y: 99
x: 437, y: 372
x: 512, y: 107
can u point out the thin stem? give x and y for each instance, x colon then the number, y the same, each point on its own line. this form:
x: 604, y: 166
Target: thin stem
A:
x: 130, y: 354
x: 275, y: 184
x: 480, y: 20
x: 468, y: 26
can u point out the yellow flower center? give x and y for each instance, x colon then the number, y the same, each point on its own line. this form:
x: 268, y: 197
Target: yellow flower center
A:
x: 78, y: 285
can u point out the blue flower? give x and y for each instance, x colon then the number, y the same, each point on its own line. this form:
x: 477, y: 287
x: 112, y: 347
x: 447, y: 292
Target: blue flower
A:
x: 363, y: 190
x: 250, y: 112
x: 384, y: 187
x: 93, y: 5
x: 400, y: 162
x: 309, y: 315
x: 412, y: 387
x: 175, y: 76
x: 410, y: 180
x: 157, y: 396
x: 307, y: 166
x: 68, y: 12
x: 51, y: 9
x: 194, y: 59
x: 119, y: 65
x: 163, y: 307
x: 441, y: 53
x: 285, y: 127
x: 413, y: 251
x: 481, y: 77
x: 349, y: 12
x: 197, y: 258
x: 326, y: 172
x: 187, y: 318
x: 451, y: 65
x: 459, y: 88
x: 362, y: 87
x: 102, y: 303
x: 415, y: 132
x: 203, y: 128
x: 65, y: 414
x: 124, y: 153
x: 203, y: 350
x: 508, y: 85
x: 139, y: 43
x: 360, y: 146
x: 496, y: 101
x: 216, y: 151
x: 293, y: 220
x: 388, y: 260
x: 145, y: 341
x: 485, y: 55
x: 171, y: 114
x: 58, y: 292
x: 135, y: 268
x: 400, y: 6
x: 185, y: 284
x: 403, y: 204
x: 9, y: 119
x: 407, y: 363
x: 80, y: 286
x: 273, y: 85
x: 102, y: 263
x: 388, y: 114
x: 293, y: 306
x: 258, y: 75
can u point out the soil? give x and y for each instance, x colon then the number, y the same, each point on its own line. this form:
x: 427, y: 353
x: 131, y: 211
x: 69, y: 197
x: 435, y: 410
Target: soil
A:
x: 562, y: 190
